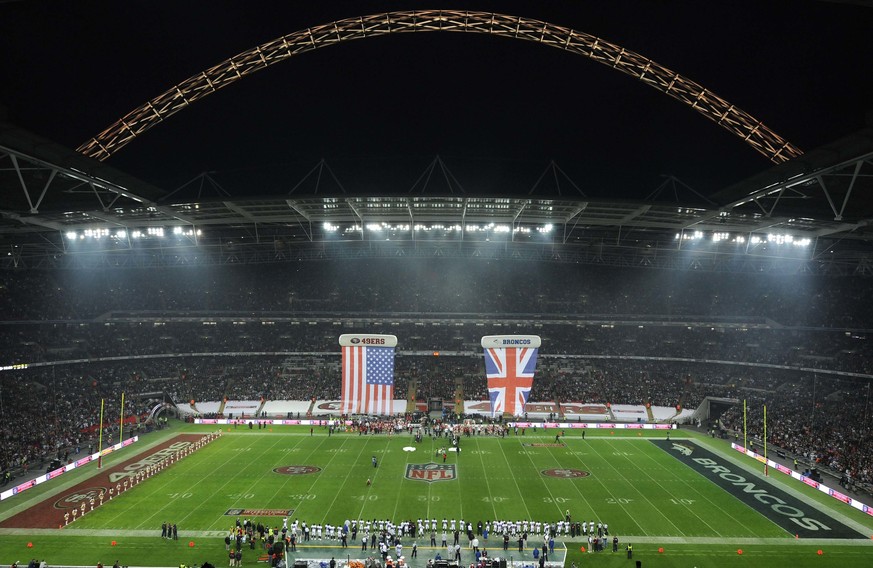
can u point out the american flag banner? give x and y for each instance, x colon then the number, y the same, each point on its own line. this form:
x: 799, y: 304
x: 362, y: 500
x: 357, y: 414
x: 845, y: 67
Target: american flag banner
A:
x: 368, y: 373
x: 510, y: 362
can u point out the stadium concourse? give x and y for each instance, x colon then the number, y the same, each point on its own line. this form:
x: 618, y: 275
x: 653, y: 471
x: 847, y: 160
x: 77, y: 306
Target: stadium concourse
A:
x: 269, y: 333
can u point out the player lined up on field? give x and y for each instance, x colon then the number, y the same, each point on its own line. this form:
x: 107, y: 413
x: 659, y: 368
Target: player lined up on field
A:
x: 376, y: 532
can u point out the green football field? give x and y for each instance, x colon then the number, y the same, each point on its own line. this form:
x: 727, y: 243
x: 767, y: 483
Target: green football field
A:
x: 645, y: 493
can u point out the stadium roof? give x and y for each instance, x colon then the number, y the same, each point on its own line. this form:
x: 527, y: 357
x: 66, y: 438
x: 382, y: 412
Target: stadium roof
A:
x: 609, y: 99
x: 59, y: 202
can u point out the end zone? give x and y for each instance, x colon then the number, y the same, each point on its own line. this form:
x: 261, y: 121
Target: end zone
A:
x: 49, y: 513
x: 787, y: 511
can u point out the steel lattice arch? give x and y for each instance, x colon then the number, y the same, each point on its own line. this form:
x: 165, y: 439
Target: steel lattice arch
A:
x: 740, y: 123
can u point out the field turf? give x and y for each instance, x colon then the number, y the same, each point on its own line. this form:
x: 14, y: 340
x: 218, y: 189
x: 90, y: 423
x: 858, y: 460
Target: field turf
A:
x: 645, y: 494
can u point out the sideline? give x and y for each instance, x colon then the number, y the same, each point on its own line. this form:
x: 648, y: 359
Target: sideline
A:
x: 692, y: 540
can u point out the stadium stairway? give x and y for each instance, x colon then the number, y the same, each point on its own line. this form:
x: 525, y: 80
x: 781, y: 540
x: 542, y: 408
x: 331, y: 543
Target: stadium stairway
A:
x: 221, y: 406
x: 649, y: 413
x: 459, y: 395
x: 410, y: 395
x: 557, y: 404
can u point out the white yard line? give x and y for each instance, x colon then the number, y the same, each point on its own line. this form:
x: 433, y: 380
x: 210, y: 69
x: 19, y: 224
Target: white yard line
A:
x: 546, y: 485
x: 514, y: 480
x: 678, y: 499
x: 607, y: 489
x: 700, y: 494
x: 373, y: 479
x: 157, y: 489
x: 234, y: 477
x: 487, y: 483
x: 638, y: 492
x: 397, y: 496
x: 290, y: 477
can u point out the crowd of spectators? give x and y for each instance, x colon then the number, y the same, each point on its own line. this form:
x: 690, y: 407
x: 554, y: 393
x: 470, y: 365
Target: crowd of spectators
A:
x: 825, y: 421
x: 819, y: 416
x: 437, y: 286
x: 830, y: 349
x: 55, y: 413
x: 192, y: 335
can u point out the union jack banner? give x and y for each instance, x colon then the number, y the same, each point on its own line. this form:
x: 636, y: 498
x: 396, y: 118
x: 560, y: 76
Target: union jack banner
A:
x: 510, y: 362
x: 368, y: 374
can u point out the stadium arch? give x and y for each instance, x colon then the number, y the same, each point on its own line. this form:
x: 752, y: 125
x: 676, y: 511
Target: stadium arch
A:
x: 740, y: 123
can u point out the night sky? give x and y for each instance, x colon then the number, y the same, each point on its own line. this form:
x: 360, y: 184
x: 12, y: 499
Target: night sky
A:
x: 496, y: 110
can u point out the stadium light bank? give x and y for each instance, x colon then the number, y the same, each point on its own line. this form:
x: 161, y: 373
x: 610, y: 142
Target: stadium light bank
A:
x: 720, y: 236
x: 123, y: 234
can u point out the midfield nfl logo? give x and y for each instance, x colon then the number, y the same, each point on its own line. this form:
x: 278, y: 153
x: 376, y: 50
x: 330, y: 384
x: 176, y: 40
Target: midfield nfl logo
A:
x: 431, y: 472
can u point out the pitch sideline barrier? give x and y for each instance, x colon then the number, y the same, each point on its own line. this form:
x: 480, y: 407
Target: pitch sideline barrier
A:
x: 64, y: 469
x: 854, y: 503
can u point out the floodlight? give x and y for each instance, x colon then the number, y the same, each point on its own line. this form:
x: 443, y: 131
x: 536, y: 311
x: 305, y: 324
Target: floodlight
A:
x: 71, y: 235
x: 177, y: 230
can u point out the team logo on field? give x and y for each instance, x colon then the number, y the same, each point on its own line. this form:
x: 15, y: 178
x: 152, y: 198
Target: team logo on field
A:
x: 259, y: 512
x: 75, y: 500
x: 296, y: 469
x: 431, y: 472
x: 683, y: 449
x: 566, y: 473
